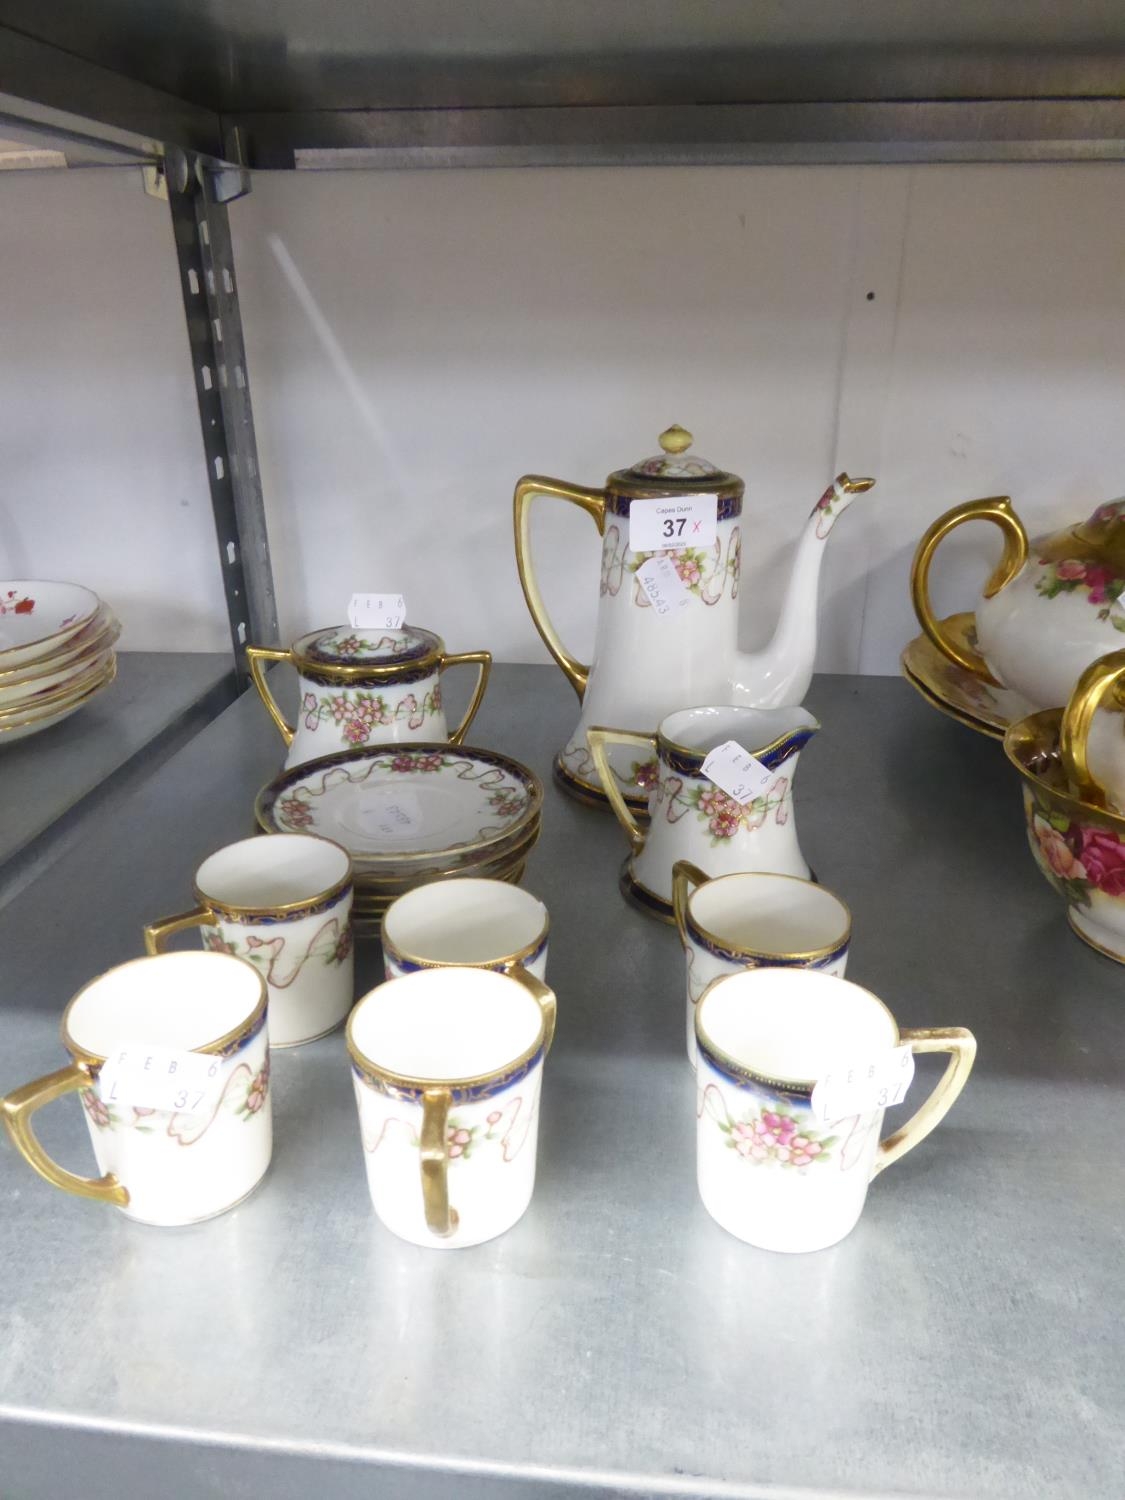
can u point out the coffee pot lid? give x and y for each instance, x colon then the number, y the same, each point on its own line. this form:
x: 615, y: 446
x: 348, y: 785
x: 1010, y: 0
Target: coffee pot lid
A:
x: 675, y: 462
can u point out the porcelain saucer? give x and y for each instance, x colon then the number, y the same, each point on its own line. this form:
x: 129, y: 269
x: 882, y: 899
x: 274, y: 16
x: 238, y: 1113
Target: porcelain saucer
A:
x: 954, y: 690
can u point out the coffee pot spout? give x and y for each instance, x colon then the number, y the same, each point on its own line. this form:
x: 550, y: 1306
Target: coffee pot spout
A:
x: 780, y: 673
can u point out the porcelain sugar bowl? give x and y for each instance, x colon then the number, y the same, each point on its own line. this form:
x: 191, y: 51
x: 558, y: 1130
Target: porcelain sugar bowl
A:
x: 1052, y: 606
x: 366, y: 687
x: 1075, y: 826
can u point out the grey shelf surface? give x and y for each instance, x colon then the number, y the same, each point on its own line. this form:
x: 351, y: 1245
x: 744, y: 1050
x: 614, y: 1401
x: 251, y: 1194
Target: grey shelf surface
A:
x: 963, y: 1342
x: 45, y: 778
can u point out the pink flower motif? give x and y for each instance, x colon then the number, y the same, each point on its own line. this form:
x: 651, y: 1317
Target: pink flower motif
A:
x: 348, y: 646
x: 215, y: 942
x: 1103, y: 856
x: 724, y: 825
x: 689, y: 571
x: 339, y: 708
x: 495, y: 1117
x: 1109, y: 511
x: 1071, y: 568
x: 356, y: 732
x: 458, y: 1139
x: 259, y: 1088
x: 95, y: 1108
x: 295, y: 813
x: 646, y: 774
x: 1057, y: 853
x: 428, y: 762
x: 402, y: 763
x: 343, y: 945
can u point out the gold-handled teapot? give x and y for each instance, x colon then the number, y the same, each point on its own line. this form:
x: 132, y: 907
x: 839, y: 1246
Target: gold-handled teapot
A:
x: 650, y: 661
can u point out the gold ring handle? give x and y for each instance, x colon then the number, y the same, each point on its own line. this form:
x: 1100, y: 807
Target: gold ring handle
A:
x: 441, y: 1220
x: 962, y: 1048
x: 544, y: 995
x: 597, y: 739
x: 157, y: 933
x: 592, y: 501
x: 482, y: 660
x: 1090, y: 691
x: 256, y: 655
x: 685, y: 878
x: 17, y: 1110
x: 998, y: 510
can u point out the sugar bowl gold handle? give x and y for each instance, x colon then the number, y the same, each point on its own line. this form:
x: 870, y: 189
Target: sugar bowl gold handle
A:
x: 686, y: 877
x: 257, y: 656
x: 998, y: 510
x: 962, y: 1048
x: 1097, y: 682
x: 482, y: 660
x: 17, y: 1110
x: 592, y: 501
x: 157, y: 933
x: 598, y: 739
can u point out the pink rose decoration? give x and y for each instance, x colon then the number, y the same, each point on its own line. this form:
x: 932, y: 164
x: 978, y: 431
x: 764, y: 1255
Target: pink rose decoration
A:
x: 1071, y: 567
x: 1103, y: 856
x: 1057, y: 852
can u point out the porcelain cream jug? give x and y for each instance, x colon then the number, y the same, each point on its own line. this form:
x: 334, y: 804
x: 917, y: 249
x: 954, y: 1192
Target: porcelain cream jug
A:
x: 1051, y: 607
x: 366, y: 687
x: 690, y: 817
x: 648, y: 661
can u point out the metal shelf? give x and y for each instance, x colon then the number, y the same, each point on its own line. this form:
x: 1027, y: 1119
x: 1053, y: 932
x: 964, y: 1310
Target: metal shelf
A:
x: 616, y: 1341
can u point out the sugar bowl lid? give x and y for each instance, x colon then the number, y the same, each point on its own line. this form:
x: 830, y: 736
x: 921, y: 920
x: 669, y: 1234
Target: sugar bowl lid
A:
x: 348, y: 649
x: 676, y: 466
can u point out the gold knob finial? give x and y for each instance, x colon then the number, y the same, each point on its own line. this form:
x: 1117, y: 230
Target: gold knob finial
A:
x: 676, y: 440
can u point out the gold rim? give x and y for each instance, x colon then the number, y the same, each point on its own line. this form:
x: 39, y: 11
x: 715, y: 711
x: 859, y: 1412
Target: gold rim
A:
x: 958, y: 715
x: 1026, y: 732
x: 419, y: 1085
x: 231, y: 909
x: 85, y: 679
x: 694, y: 753
x: 68, y: 632
x: 432, y: 659
x: 784, y: 1085
x: 735, y: 948
x: 527, y: 951
x: 108, y: 633
x: 57, y: 710
x: 220, y: 1044
x: 1118, y: 958
x: 372, y: 881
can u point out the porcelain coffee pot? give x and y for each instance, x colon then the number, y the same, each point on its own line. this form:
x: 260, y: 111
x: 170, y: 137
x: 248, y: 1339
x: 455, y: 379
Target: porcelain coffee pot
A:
x: 647, y: 664
x: 1051, y: 607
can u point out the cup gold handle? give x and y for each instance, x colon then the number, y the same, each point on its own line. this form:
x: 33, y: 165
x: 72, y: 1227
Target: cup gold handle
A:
x: 597, y: 739
x: 482, y: 660
x: 998, y: 510
x: 256, y: 655
x: 441, y: 1219
x: 1090, y: 691
x: 685, y: 877
x: 545, y: 996
x: 962, y: 1048
x: 592, y: 501
x: 17, y: 1110
x: 157, y: 933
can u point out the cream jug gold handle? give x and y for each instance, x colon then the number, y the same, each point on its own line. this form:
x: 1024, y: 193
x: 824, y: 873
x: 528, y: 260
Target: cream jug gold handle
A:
x: 1096, y: 683
x: 482, y: 660
x: 598, y: 739
x: 593, y: 501
x: 17, y: 1110
x: 256, y: 655
x: 998, y: 510
x: 157, y: 933
x: 685, y: 878
x: 441, y: 1220
x: 962, y: 1048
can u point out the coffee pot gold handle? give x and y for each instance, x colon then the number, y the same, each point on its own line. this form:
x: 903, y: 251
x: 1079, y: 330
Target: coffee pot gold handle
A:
x: 998, y: 510
x: 256, y: 655
x: 598, y: 739
x: 962, y: 1048
x: 1090, y: 691
x: 592, y: 501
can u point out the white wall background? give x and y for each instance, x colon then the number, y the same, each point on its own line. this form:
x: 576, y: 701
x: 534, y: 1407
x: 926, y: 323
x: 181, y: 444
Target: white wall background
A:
x: 416, y: 341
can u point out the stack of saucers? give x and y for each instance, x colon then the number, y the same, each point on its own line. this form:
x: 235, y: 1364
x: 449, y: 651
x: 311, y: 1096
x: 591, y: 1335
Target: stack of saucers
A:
x: 56, y: 653
x: 408, y: 814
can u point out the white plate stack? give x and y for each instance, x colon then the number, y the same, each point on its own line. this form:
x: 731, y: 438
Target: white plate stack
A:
x: 56, y: 653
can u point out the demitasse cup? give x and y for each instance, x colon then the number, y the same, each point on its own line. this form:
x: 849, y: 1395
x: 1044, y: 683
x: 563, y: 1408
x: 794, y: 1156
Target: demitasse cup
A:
x: 163, y: 1167
x: 754, y: 921
x: 284, y: 904
x: 447, y: 1066
x: 771, y: 1170
x: 487, y: 924
x: 366, y: 687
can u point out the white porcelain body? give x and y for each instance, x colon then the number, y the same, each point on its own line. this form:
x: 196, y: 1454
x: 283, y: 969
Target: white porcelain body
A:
x: 481, y: 923
x: 179, y: 1168
x: 339, y: 715
x: 824, y: 925
x: 479, y: 1036
x: 690, y: 818
x: 1040, y: 645
x: 645, y: 666
x: 39, y: 616
x: 767, y: 1170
